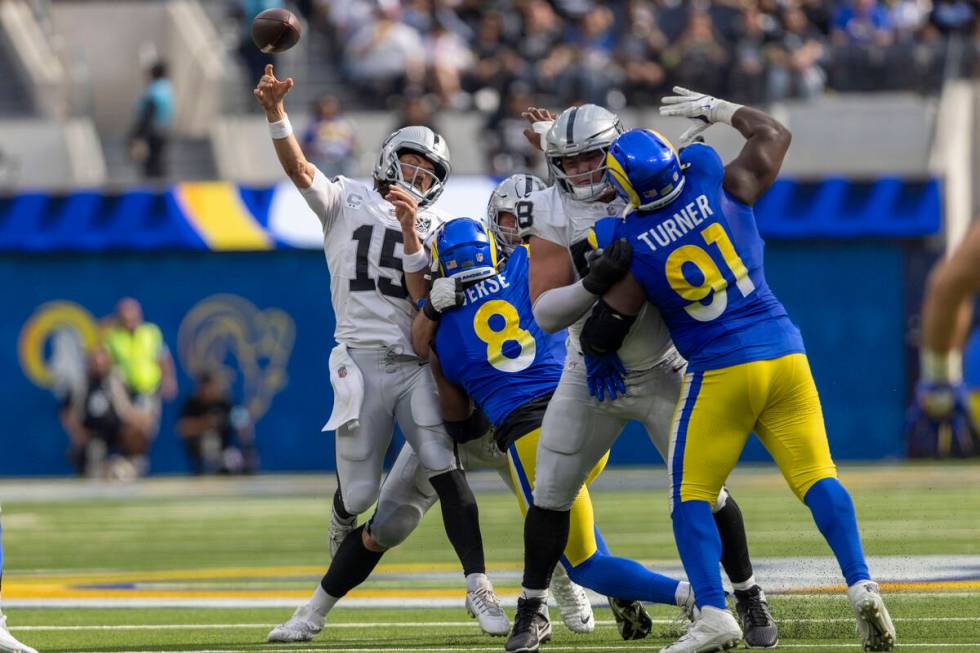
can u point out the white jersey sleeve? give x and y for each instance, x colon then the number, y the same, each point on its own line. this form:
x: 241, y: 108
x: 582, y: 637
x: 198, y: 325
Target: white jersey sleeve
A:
x: 541, y: 215
x: 324, y: 196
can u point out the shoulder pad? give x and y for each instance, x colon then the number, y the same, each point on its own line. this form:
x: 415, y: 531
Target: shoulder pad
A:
x: 603, y: 232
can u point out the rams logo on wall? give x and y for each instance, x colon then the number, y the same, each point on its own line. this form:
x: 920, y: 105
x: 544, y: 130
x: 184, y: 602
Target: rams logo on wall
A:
x: 223, y: 332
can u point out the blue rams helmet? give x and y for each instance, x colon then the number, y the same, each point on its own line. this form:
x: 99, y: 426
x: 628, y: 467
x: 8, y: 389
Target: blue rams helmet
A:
x: 463, y: 249
x: 645, y: 169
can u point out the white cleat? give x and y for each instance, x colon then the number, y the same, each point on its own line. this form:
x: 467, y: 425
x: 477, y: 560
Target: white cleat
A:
x: 8, y: 643
x: 304, y: 625
x: 482, y: 603
x: 715, y: 630
x: 573, y: 602
x: 338, y: 531
x: 874, y: 624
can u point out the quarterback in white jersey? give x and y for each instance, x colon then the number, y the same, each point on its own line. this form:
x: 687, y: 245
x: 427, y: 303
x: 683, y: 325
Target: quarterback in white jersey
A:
x: 373, y: 245
x: 578, y: 429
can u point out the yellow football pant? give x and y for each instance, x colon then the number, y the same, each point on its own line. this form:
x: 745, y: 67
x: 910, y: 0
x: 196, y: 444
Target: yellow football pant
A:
x: 522, y: 456
x: 718, y: 409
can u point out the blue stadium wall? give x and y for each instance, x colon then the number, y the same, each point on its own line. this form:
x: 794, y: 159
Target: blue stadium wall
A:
x: 848, y: 299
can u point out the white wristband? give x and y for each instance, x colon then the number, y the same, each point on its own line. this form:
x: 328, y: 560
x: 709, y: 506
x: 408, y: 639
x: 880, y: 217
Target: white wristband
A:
x: 941, y: 368
x: 724, y: 111
x: 280, y: 129
x: 415, y: 262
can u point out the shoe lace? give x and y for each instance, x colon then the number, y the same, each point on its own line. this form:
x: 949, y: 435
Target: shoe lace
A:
x: 526, y: 609
x: 486, y: 602
x: 756, y: 612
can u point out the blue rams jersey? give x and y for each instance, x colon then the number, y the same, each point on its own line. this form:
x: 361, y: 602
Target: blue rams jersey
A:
x: 492, y: 347
x: 971, y: 361
x: 699, y: 260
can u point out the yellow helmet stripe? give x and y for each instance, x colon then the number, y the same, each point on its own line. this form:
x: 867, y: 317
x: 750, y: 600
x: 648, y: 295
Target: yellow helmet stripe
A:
x: 620, y: 175
x: 665, y: 140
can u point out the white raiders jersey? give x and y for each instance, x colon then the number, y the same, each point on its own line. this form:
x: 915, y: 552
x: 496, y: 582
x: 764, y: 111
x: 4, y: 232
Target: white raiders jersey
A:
x: 362, y: 242
x: 553, y: 215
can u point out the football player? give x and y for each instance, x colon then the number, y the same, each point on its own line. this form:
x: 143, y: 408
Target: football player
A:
x: 944, y: 405
x: 8, y: 643
x: 489, y: 349
x: 372, y: 239
x: 697, y: 255
x: 578, y: 430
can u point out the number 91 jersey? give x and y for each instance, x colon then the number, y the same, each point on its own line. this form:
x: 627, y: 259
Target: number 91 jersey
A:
x: 699, y: 260
x: 492, y: 347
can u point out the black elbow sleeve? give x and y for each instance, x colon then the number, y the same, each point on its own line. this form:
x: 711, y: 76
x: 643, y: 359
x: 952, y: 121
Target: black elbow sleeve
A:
x: 605, y: 330
x: 471, y: 428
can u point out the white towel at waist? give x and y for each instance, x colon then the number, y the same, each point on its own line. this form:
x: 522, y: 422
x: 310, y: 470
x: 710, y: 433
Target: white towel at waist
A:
x: 348, y: 390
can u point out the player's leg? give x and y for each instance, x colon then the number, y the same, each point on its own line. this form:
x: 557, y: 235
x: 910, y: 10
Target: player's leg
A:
x: 652, y: 396
x: 8, y: 643
x: 712, y: 421
x: 417, y: 412
x: 792, y: 429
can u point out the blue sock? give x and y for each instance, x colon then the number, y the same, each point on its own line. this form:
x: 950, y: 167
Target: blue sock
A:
x: 621, y: 578
x: 833, y: 511
x: 599, y: 542
x: 699, y: 544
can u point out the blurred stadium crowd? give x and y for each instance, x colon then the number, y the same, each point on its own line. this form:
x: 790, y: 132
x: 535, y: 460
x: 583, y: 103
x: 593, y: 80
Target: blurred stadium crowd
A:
x: 467, y: 52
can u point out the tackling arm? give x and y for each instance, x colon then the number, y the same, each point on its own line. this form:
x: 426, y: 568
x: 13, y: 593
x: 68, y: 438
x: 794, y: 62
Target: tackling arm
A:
x: 610, y: 322
x: 423, y: 333
x: 946, y: 310
x: 752, y: 172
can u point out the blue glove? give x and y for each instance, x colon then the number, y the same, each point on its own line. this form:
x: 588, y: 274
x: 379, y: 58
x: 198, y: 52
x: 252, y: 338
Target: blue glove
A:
x: 606, y: 376
x: 937, y: 425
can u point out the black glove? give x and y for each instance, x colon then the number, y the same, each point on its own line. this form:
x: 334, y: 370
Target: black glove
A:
x: 606, y: 270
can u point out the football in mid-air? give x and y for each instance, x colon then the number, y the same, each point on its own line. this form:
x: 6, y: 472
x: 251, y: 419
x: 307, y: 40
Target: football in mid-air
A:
x: 275, y: 30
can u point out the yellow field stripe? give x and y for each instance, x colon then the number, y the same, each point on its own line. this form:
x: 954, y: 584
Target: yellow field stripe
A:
x: 216, y: 210
x: 904, y: 586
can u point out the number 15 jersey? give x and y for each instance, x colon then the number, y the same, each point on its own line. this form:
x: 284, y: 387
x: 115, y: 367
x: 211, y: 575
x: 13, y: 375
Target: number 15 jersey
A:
x: 492, y: 347
x: 362, y: 242
x: 699, y: 260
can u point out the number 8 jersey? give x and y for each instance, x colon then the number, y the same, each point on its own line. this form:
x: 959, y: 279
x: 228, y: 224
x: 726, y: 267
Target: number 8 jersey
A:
x: 492, y: 347
x: 362, y: 242
x: 699, y: 260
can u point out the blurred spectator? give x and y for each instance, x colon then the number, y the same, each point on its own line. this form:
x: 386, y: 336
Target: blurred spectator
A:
x: 93, y: 412
x: 330, y: 140
x: 698, y: 59
x: 497, y: 63
x: 508, y: 151
x: 754, y: 32
x: 385, y: 56
x: 448, y: 57
x: 145, y: 365
x: 154, y: 116
x: 255, y: 60
x: 417, y: 109
x: 218, y: 435
x: 862, y: 32
x: 796, y: 57
x: 955, y: 16
x: 639, y: 55
x: 583, y: 64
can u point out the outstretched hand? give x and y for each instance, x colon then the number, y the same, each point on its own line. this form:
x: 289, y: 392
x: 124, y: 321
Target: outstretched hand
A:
x: 536, y: 115
x: 270, y: 93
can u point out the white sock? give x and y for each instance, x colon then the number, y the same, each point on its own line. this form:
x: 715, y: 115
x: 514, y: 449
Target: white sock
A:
x: 476, y: 581
x: 321, y: 602
x: 682, y: 592
x: 747, y: 584
x: 534, y: 594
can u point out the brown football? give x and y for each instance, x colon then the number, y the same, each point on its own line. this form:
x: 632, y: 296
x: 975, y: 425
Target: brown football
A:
x: 275, y: 30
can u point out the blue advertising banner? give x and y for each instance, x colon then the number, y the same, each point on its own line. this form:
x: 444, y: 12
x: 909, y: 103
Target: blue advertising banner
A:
x: 264, y: 319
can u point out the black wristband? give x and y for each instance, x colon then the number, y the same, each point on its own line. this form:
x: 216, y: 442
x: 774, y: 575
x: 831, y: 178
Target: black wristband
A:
x: 430, y: 311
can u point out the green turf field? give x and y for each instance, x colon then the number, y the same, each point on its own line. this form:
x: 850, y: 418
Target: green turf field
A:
x: 257, y: 548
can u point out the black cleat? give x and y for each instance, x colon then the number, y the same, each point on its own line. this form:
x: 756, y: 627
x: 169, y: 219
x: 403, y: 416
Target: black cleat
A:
x: 632, y: 619
x: 758, y: 627
x: 532, y: 627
